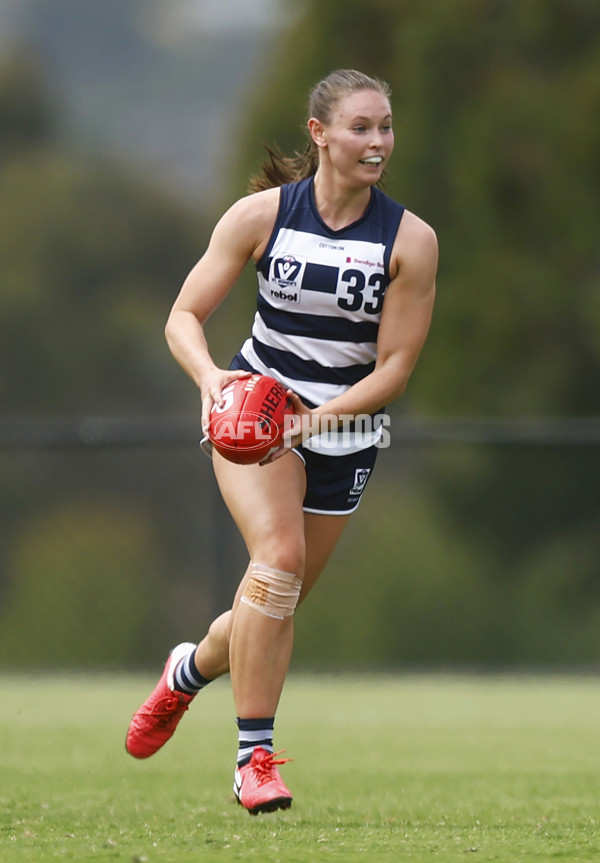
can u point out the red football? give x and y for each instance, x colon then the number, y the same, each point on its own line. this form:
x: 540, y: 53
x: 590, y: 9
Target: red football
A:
x: 250, y: 421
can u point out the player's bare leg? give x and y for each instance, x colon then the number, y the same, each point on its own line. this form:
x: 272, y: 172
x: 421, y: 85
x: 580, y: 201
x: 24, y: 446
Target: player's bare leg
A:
x: 260, y: 645
x: 322, y: 533
x: 272, y: 526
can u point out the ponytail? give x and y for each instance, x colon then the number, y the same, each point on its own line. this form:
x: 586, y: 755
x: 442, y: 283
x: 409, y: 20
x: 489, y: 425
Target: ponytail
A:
x: 278, y: 169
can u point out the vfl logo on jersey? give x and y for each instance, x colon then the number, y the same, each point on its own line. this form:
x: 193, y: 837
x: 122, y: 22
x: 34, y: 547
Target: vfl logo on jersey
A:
x: 286, y: 272
x: 361, y: 475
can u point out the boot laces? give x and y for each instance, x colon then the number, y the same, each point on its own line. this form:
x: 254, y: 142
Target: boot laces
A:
x: 165, y: 709
x: 265, y: 764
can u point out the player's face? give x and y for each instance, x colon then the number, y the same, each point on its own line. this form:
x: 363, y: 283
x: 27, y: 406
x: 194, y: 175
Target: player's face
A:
x: 359, y: 137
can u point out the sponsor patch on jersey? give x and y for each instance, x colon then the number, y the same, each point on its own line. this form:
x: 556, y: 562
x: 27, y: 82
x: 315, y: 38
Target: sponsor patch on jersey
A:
x: 285, y: 278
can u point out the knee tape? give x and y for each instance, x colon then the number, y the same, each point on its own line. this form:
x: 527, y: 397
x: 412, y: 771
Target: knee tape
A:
x: 271, y: 591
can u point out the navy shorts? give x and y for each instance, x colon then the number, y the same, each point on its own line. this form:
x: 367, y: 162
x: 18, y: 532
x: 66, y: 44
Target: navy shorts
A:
x: 335, y: 483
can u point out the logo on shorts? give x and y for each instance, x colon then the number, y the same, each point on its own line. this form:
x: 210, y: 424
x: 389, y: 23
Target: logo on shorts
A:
x: 361, y: 475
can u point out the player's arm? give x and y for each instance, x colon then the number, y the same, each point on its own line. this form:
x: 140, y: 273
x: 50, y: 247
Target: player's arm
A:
x: 405, y: 321
x: 239, y: 235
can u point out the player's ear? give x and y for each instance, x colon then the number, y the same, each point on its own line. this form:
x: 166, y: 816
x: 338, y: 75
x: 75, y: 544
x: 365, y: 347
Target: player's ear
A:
x: 317, y: 132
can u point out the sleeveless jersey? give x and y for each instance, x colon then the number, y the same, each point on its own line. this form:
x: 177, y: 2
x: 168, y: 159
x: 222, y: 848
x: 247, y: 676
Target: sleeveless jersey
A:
x: 320, y: 295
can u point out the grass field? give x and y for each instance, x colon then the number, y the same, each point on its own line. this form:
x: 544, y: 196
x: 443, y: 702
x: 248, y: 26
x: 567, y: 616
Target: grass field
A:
x: 407, y: 768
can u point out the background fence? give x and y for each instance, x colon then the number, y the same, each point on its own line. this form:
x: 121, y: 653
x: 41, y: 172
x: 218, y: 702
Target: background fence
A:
x: 476, y: 544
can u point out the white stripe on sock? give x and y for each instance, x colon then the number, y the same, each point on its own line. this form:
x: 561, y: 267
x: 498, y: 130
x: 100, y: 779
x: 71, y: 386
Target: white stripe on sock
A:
x: 254, y: 736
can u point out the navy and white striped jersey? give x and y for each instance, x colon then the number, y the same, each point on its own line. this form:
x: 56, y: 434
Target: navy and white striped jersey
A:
x: 320, y: 295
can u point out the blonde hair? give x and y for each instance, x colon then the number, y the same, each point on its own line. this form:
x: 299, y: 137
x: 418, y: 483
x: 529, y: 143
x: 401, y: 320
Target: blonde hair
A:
x: 278, y: 169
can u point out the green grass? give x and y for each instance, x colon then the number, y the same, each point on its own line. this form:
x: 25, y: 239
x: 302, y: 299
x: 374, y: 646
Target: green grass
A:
x: 407, y: 768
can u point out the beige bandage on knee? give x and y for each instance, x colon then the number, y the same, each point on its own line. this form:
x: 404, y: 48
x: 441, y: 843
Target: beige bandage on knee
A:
x: 272, y: 591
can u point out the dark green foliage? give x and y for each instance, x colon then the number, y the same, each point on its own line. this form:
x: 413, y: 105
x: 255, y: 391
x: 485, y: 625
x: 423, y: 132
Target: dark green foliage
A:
x: 26, y: 113
x: 92, y: 259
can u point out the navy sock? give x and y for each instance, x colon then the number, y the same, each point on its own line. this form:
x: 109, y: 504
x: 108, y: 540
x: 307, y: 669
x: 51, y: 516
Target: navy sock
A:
x: 187, y: 677
x: 253, y: 733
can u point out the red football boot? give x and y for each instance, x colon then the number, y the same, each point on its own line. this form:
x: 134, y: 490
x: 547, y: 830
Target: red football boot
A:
x: 258, y: 785
x: 156, y: 720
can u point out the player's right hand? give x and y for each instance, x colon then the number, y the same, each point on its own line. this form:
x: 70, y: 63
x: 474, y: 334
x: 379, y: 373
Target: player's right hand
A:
x: 212, y: 385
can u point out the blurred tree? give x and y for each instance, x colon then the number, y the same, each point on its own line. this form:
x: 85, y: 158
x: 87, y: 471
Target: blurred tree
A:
x: 92, y: 258
x: 498, y: 148
x: 96, y: 602
x: 26, y: 116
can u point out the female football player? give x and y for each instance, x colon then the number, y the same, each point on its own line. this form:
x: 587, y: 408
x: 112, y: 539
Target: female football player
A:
x: 346, y: 288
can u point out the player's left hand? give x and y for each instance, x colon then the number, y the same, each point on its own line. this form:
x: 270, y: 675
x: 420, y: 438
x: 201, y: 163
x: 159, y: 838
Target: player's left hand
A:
x: 295, y: 433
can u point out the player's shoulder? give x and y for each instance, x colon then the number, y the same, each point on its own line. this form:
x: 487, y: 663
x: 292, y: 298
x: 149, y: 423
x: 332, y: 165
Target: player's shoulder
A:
x: 248, y: 222
x: 257, y: 207
x: 416, y: 245
x: 416, y: 230
x: 415, y: 238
